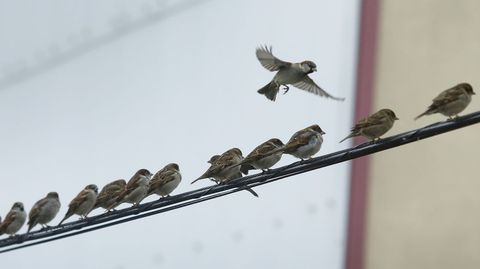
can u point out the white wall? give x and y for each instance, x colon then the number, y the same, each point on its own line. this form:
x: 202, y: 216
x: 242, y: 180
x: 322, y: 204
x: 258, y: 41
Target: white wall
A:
x: 181, y: 91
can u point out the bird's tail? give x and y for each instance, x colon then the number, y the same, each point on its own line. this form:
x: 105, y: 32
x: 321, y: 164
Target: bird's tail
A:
x: 270, y: 90
x: 423, y: 114
x: 201, y: 177
x: 30, y: 225
x: 349, y: 136
x: 250, y: 190
x: 119, y: 200
x: 430, y: 110
x: 68, y: 215
x: 245, y: 168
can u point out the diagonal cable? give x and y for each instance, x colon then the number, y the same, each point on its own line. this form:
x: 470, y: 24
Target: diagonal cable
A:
x: 204, y: 194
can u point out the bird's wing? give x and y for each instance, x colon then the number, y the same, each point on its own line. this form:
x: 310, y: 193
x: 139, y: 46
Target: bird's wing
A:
x: 108, y: 191
x: 267, y: 60
x: 300, y: 138
x: 307, y: 84
x: 77, y: 201
x: 11, y: 216
x: 37, y: 207
x: 374, y: 119
x: 260, y: 152
x: 447, y: 96
x: 161, y: 179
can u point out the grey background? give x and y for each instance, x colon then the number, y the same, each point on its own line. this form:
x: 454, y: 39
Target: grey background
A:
x: 178, y: 90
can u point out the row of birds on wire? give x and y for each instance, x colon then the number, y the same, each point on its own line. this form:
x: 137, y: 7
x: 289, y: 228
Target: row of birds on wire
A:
x: 231, y: 164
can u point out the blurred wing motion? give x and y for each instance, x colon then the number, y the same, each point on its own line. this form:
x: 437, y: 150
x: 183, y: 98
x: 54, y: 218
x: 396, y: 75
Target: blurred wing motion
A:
x: 307, y: 84
x: 267, y: 60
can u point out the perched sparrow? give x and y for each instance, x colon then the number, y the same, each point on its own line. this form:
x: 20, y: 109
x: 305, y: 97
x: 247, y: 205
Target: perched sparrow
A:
x: 83, y: 203
x: 374, y: 126
x: 135, y: 190
x: 304, y: 143
x: 225, y: 168
x: 261, y: 157
x: 14, y: 220
x: 451, y: 102
x: 295, y: 74
x: 44, y: 211
x: 165, y: 180
x: 109, y: 194
x: 222, y: 168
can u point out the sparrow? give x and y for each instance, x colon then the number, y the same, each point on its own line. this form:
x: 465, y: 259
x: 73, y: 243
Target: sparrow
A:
x: 135, y: 190
x: 165, y: 181
x: 261, y: 157
x: 83, y: 203
x: 109, y: 194
x: 304, y: 143
x: 44, y: 211
x: 295, y: 74
x: 374, y: 125
x: 451, y: 101
x: 225, y: 168
x: 14, y: 220
x: 222, y: 168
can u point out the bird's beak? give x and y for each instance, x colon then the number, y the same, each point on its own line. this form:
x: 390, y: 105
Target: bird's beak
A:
x: 323, y: 133
x: 473, y: 92
x: 396, y: 118
x: 314, y: 69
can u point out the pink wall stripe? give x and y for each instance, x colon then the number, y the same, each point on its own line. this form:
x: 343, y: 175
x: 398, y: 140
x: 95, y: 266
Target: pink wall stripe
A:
x: 363, y: 106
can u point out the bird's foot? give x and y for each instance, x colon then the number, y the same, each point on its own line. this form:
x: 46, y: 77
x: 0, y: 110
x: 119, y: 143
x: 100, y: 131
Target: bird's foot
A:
x: 285, y: 90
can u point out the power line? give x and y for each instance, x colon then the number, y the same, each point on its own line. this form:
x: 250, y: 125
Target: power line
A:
x: 204, y: 194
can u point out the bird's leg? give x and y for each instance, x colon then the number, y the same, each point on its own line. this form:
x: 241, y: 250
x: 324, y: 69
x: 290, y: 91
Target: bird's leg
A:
x: 285, y: 90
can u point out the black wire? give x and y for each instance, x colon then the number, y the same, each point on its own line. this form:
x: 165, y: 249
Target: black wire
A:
x: 199, y: 195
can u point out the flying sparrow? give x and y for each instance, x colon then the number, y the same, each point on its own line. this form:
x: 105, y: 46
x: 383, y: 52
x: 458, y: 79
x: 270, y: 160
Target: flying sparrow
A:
x: 295, y: 74
x: 374, y: 125
x: 83, y: 203
x: 44, y: 211
x: 14, y: 220
x: 304, y: 143
x: 109, y: 194
x: 165, y: 180
x: 261, y: 157
x: 451, y: 101
x: 225, y: 168
x: 135, y: 190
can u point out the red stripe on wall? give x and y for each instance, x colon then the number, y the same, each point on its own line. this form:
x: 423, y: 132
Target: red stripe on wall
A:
x: 363, y: 106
